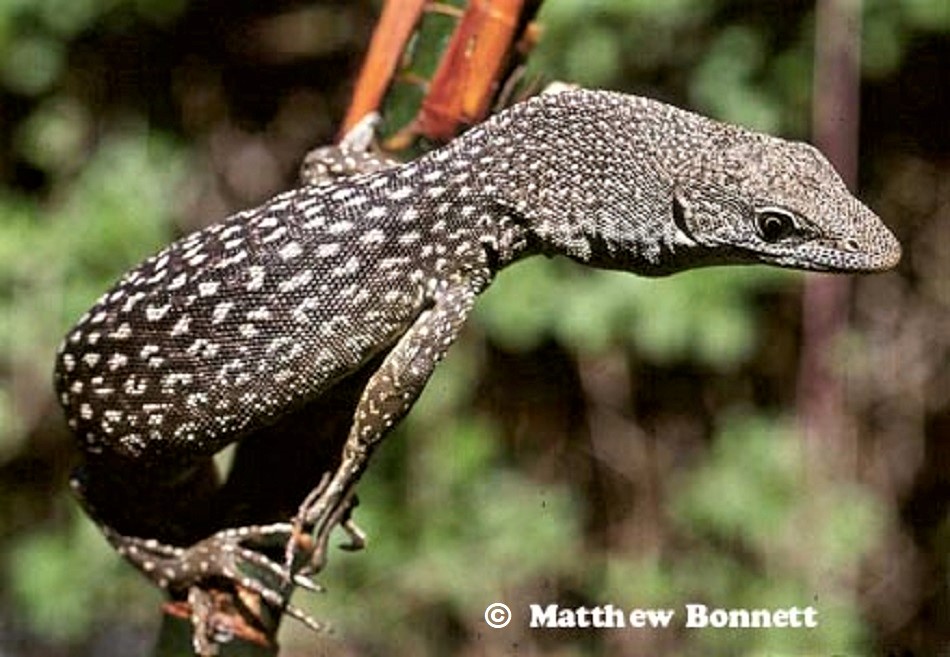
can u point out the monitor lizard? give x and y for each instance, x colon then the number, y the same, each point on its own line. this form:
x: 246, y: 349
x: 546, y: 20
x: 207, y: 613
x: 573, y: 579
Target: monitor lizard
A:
x: 329, y: 306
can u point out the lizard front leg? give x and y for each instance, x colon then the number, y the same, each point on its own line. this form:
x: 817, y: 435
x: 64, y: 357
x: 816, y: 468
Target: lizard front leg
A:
x: 389, y: 394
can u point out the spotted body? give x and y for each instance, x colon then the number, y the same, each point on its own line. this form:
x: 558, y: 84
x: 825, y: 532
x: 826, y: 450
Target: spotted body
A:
x: 368, y: 279
x: 230, y: 327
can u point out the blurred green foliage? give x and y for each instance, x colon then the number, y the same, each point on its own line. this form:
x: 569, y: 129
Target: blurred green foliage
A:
x: 35, y: 34
x: 755, y: 493
x: 56, y: 260
x: 68, y: 581
x: 704, y: 316
x: 753, y: 68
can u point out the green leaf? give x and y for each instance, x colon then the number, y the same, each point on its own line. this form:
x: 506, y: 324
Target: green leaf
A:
x: 32, y: 64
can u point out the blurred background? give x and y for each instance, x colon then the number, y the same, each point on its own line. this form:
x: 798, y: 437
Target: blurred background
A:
x: 738, y: 437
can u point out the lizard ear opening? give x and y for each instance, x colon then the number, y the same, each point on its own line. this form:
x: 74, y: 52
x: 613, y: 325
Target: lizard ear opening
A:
x: 682, y: 213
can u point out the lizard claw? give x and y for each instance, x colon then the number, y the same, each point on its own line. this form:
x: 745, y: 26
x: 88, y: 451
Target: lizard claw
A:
x: 360, y: 137
x: 355, y: 534
x: 318, y: 515
x: 354, y: 155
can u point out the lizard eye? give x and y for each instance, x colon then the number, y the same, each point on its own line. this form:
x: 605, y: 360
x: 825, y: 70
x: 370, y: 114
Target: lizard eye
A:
x: 775, y: 224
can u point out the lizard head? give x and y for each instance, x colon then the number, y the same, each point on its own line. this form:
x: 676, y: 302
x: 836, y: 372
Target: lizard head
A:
x: 755, y: 198
x: 626, y: 182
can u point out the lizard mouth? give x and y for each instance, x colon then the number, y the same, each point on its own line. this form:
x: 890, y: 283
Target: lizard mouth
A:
x: 837, y: 258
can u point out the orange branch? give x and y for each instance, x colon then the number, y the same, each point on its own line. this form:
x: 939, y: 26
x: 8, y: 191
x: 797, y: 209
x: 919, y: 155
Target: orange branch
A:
x: 396, y: 25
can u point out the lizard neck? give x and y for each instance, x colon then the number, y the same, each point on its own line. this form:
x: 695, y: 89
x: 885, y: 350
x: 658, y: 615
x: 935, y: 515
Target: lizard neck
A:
x: 554, y: 169
x: 452, y: 196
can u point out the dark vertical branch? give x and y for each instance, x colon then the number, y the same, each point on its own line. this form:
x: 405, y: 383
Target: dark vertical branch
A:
x: 826, y: 298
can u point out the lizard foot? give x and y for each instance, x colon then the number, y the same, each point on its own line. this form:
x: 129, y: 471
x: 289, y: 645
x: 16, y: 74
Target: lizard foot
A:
x: 231, y: 554
x: 315, y: 520
x: 222, y: 576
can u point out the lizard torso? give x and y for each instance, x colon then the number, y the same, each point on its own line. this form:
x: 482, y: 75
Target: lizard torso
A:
x: 228, y: 329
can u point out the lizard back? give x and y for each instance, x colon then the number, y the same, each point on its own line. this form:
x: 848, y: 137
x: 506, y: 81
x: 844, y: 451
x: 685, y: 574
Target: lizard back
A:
x: 230, y: 327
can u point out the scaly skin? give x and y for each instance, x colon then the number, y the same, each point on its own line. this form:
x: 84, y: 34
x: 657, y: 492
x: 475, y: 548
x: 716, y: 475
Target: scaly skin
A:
x: 352, y: 290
